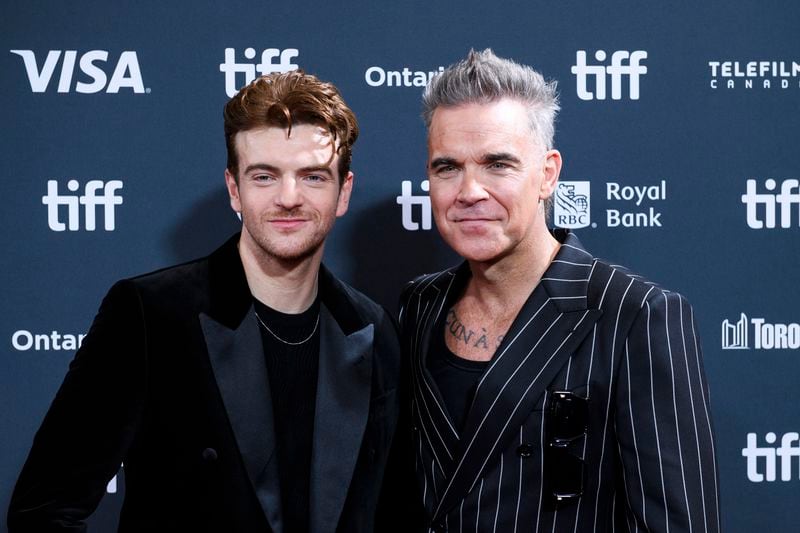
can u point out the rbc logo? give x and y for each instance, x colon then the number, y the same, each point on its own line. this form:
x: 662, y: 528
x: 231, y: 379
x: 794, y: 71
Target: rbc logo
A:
x: 272, y: 60
x: 572, y: 204
x: 126, y: 73
x: 618, y: 68
x: 90, y: 199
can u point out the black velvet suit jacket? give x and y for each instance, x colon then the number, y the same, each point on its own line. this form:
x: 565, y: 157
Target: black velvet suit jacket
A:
x: 171, y: 381
x: 604, y: 334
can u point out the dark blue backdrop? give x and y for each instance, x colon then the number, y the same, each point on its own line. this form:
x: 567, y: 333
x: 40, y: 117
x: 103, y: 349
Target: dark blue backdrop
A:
x: 122, y: 103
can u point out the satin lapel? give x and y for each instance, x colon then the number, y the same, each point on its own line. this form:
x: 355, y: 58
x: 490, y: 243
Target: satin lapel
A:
x: 547, y: 330
x: 433, y: 419
x: 342, y: 409
x: 237, y: 357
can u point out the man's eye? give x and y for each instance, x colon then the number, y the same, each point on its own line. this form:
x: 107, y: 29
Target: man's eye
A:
x: 264, y: 178
x: 497, y: 165
x: 314, y: 178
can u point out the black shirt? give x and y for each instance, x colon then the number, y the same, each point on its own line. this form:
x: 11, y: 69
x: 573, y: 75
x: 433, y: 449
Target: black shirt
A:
x: 456, y: 377
x: 292, y: 368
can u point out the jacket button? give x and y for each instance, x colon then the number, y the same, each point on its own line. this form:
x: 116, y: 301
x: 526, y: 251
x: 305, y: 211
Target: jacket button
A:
x: 525, y: 450
x: 439, y: 528
x: 209, y: 454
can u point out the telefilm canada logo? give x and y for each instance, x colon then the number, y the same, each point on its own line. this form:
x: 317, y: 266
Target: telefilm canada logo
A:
x: 771, y: 205
x: 271, y: 60
x: 96, y: 194
x: 104, y: 72
x: 591, y: 79
x: 758, y: 334
x: 754, y: 75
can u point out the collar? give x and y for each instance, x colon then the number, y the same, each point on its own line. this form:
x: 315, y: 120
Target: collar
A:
x: 231, y: 300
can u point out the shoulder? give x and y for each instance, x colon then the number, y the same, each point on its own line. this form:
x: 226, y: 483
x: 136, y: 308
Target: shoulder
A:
x: 436, y: 281
x: 417, y: 293
x: 173, y: 282
x: 186, y: 285
x: 614, y: 287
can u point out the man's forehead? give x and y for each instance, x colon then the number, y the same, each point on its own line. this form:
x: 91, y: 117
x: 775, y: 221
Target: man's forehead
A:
x: 501, y: 116
x: 305, y: 131
x: 307, y: 146
x: 485, y: 128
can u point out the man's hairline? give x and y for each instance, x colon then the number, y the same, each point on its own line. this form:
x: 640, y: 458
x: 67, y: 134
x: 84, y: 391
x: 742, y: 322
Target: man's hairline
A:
x: 522, y: 102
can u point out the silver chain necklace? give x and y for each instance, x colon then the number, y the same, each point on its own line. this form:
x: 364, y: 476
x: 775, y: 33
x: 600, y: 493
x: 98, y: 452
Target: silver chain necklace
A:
x: 316, y: 324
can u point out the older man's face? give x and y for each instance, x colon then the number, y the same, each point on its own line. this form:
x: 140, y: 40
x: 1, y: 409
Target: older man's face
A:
x: 487, y: 173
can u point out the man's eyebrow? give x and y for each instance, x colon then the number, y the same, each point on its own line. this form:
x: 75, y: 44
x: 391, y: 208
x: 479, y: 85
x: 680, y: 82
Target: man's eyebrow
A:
x: 271, y: 168
x: 500, y: 156
x: 442, y: 161
x: 261, y: 166
x: 317, y: 168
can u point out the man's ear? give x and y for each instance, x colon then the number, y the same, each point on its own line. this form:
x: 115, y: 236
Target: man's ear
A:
x: 344, y: 195
x: 233, y: 191
x: 550, y: 172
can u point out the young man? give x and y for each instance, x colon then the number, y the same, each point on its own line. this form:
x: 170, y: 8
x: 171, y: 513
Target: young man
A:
x: 247, y: 391
x: 550, y: 391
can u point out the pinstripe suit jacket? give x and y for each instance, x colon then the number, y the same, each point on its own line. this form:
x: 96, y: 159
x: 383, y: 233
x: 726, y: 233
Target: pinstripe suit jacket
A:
x: 628, y: 346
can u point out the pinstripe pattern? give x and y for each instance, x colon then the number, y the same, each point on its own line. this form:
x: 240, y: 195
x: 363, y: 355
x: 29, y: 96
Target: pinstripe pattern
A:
x: 621, y: 341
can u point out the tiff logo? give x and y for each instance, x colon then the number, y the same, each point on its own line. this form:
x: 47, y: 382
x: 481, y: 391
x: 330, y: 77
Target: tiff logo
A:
x: 408, y: 200
x: 272, y: 60
x: 786, y: 199
x: 623, y: 63
x: 734, y: 336
x: 788, y: 450
x: 90, y: 200
x: 91, y: 65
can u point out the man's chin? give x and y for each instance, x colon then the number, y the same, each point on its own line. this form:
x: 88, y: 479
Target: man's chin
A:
x: 292, y: 254
x: 475, y: 249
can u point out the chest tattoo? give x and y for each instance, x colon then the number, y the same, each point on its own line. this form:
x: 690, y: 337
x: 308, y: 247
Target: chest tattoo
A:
x: 474, y: 337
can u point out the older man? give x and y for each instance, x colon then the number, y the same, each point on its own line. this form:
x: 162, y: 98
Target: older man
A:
x: 551, y: 391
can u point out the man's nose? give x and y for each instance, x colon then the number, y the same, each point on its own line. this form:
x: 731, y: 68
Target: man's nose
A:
x: 289, y: 194
x: 471, y: 189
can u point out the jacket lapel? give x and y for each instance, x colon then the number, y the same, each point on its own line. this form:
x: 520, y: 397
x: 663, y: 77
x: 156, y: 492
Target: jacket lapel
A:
x: 237, y: 357
x: 236, y: 353
x: 342, y: 409
x: 549, y: 327
x: 435, y: 423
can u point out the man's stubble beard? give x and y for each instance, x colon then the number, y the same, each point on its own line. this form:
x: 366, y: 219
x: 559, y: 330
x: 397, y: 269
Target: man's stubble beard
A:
x: 273, y: 245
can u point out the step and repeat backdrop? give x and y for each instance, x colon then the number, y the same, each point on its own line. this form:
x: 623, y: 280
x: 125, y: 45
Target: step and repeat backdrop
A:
x: 679, y: 132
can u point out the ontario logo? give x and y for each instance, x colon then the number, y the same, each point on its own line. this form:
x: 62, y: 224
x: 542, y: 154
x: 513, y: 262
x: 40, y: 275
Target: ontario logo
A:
x: 572, y: 204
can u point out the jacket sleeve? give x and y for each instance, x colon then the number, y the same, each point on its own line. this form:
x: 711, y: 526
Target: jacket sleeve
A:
x: 90, y: 424
x: 663, y: 422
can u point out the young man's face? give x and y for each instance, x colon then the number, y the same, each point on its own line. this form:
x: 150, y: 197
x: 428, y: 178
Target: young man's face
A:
x: 487, y: 173
x: 288, y: 191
